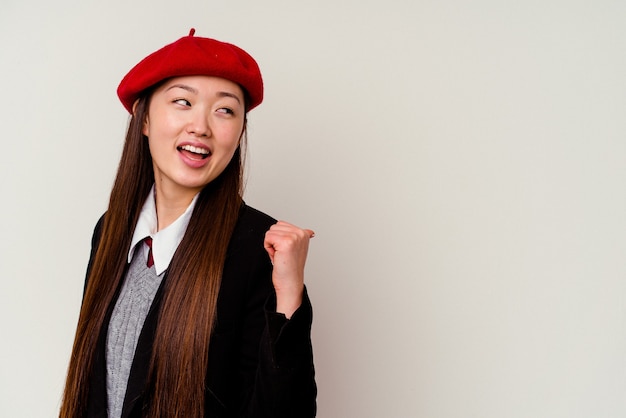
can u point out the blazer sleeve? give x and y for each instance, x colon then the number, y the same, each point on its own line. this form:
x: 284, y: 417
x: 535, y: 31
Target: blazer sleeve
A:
x: 285, y: 380
x: 274, y: 370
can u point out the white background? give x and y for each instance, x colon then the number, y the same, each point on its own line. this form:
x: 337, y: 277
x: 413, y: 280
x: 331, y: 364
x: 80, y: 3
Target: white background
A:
x: 463, y: 165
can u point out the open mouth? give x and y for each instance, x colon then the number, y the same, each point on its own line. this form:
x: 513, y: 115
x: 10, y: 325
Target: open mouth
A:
x: 196, y: 153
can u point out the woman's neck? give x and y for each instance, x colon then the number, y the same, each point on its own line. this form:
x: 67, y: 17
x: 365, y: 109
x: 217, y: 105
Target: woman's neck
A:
x: 171, y: 204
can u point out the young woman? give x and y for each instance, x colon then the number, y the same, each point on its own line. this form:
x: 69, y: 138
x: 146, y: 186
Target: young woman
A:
x: 194, y: 302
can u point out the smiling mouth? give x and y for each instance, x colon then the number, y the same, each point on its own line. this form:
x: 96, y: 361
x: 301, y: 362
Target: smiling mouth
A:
x: 194, y: 152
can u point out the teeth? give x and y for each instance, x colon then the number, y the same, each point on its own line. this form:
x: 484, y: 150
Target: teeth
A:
x: 195, y: 150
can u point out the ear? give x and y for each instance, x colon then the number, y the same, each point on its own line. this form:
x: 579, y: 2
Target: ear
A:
x: 135, y: 106
x: 244, y: 128
x: 145, y: 126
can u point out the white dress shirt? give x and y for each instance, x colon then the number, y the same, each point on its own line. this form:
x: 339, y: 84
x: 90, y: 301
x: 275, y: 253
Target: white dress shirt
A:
x: 164, y: 242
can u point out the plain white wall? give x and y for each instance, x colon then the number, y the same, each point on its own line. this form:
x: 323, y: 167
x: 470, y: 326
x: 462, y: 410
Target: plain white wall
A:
x: 463, y: 165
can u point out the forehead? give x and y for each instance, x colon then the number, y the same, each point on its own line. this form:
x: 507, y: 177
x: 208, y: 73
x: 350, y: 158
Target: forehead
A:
x: 201, y: 84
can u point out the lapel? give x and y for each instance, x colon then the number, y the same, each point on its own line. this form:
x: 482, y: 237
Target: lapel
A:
x: 97, y: 397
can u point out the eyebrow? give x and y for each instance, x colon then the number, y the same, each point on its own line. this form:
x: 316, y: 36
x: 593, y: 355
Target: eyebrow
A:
x: 228, y: 94
x: 195, y: 91
x: 184, y: 87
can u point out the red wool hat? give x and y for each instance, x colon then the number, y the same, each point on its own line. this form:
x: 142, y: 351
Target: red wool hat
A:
x: 193, y: 56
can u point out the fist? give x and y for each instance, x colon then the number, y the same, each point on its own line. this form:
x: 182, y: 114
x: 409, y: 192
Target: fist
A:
x: 287, y: 246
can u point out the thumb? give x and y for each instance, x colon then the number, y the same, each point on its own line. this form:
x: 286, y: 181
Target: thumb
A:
x: 270, y: 250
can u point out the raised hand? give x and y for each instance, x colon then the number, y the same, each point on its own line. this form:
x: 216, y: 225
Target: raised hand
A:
x: 287, y: 246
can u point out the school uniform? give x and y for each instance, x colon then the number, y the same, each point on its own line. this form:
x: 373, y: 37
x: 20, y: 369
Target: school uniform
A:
x: 260, y: 364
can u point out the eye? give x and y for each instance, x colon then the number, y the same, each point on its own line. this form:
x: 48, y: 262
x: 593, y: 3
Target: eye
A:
x: 183, y: 102
x: 226, y: 110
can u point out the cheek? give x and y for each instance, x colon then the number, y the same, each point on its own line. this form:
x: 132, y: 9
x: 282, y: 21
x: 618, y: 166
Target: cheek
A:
x: 229, y: 138
x: 232, y: 149
x: 228, y: 152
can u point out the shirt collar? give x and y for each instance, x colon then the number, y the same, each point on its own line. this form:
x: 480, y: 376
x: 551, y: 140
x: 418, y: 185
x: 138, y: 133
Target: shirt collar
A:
x: 164, y: 242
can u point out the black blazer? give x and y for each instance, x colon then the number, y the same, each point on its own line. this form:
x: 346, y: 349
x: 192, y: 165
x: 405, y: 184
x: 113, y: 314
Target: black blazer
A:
x: 260, y: 364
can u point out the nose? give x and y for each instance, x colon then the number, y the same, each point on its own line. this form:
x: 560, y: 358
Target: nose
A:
x: 199, y: 124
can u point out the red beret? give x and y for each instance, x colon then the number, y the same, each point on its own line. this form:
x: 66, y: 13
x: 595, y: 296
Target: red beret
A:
x: 193, y: 56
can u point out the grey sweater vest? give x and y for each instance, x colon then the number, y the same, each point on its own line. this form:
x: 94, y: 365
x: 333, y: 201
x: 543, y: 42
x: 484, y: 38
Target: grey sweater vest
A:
x: 140, y: 286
